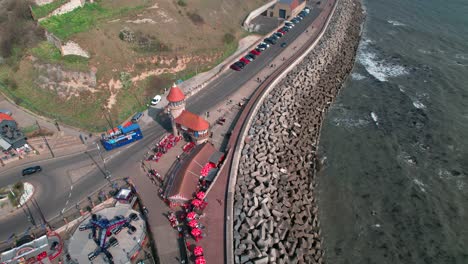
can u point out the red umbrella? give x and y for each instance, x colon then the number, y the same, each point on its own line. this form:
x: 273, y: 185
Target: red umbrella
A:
x: 200, y: 260
x: 196, y: 232
x: 193, y: 223
x: 191, y: 215
x: 196, y: 202
x: 198, y: 251
x: 201, y: 195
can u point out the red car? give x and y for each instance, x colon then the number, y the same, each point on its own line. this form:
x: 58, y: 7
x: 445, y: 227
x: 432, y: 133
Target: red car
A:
x: 244, y: 60
x: 281, y: 31
x: 255, y: 52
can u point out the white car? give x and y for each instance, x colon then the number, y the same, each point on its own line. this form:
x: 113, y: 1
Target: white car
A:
x: 156, y: 100
x: 306, y: 9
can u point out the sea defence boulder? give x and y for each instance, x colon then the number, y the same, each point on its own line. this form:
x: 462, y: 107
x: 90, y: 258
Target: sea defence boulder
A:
x: 276, y: 215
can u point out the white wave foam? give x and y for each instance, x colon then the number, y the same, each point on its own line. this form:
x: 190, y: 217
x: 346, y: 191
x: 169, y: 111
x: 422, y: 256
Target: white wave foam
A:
x: 375, y: 118
x: 356, y: 76
x: 461, y: 56
x: 418, y: 104
x: 378, y: 68
x: 396, y: 23
x: 421, y: 185
x: 423, y: 51
x: 349, y: 122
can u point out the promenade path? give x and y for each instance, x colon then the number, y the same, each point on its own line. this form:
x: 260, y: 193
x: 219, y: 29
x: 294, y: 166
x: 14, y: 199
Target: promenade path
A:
x: 216, y: 219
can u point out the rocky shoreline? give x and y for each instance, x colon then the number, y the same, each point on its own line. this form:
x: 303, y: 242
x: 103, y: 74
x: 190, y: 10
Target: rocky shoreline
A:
x: 275, y: 211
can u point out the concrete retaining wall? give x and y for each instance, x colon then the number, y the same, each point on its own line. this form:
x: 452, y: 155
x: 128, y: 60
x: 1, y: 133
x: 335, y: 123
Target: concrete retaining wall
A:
x: 247, y: 26
x: 275, y: 212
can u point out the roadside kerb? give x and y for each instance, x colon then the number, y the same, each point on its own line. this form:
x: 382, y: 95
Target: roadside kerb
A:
x: 252, y: 108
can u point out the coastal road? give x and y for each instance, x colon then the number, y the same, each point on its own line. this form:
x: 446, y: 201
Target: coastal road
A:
x: 67, y: 180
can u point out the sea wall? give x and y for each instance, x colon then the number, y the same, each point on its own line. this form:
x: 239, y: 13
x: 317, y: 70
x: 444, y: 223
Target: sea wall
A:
x: 275, y: 211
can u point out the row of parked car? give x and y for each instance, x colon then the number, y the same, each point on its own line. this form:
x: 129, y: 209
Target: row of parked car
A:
x: 271, y: 40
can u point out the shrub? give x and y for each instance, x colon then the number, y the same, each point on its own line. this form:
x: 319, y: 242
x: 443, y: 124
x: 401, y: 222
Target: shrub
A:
x: 196, y: 18
x: 228, y: 38
x: 182, y: 3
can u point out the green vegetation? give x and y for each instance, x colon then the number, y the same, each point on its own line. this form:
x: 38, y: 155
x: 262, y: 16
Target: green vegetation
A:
x: 82, y: 19
x: 48, y: 53
x: 228, y: 38
x: 43, y: 11
x: 182, y: 2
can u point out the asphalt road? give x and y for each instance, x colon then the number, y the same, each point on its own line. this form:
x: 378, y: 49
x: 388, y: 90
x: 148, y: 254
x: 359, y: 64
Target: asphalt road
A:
x: 57, y: 190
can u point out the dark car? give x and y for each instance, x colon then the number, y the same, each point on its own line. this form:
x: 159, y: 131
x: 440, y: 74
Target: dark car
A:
x: 283, y: 44
x: 285, y: 29
x: 31, y: 170
x: 137, y: 117
x: 250, y: 57
x: 279, y: 33
x: 274, y: 37
x: 270, y: 41
x: 295, y: 20
x: 241, y: 64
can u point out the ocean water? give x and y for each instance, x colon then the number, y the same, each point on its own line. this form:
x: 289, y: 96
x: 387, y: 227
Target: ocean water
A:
x: 394, y: 186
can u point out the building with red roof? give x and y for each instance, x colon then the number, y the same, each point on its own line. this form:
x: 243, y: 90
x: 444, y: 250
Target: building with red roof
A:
x: 10, y: 134
x: 185, y: 122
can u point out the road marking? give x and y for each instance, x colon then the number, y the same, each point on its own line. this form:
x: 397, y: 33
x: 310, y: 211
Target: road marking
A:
x: 69, y: 195
x: 114, y: 154
x: 66, y: 203
x: 71, y: 187
x: 63, y: 210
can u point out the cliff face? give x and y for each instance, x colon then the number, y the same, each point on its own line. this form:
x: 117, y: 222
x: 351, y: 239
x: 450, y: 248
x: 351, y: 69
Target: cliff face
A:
x: 275, y: 211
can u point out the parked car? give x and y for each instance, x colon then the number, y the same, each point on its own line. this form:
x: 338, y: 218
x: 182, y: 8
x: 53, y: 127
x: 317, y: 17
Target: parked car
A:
x: 31, y: 170
x: 137, y: 117
x: 270, y: 41
x: 299, y: 18
x: 306, y: 9
x: 241, y: 64
x: 283, y: 44
x: 264, y: 44
x: 289, y: 24
x: 303, y: 14
x: 244, y: 60
x: 273, y: 36
x: 235, y: 67
x: 156, y: 100
x: 295, y: 20
x: 279, y: 33
x: 285, y: 29
x: 255, y: 52
x: 250, y: 57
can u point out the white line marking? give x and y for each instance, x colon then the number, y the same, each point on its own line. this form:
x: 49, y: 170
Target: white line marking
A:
x: 69, y: 195
x: 63, y: 210
x: 66, y: 203
x: 71, y: 187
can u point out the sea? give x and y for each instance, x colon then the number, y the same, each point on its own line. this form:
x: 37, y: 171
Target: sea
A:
x: 394, y: 145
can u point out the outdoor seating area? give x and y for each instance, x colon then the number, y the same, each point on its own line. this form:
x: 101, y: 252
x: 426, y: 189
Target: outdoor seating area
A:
x: 161, y: 148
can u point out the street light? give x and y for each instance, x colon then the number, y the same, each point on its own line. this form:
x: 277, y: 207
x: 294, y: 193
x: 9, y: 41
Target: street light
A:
x: 107, y: 173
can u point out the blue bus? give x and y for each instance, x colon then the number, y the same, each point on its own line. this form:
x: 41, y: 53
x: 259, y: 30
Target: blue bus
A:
x: 121, y: 136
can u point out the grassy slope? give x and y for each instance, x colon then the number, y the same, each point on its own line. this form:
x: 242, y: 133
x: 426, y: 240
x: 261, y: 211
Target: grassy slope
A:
x: 42, y: 11
x: 91, y: 21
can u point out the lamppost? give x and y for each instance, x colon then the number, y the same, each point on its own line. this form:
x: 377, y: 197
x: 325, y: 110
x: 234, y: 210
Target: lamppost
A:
x: 107, y: 173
